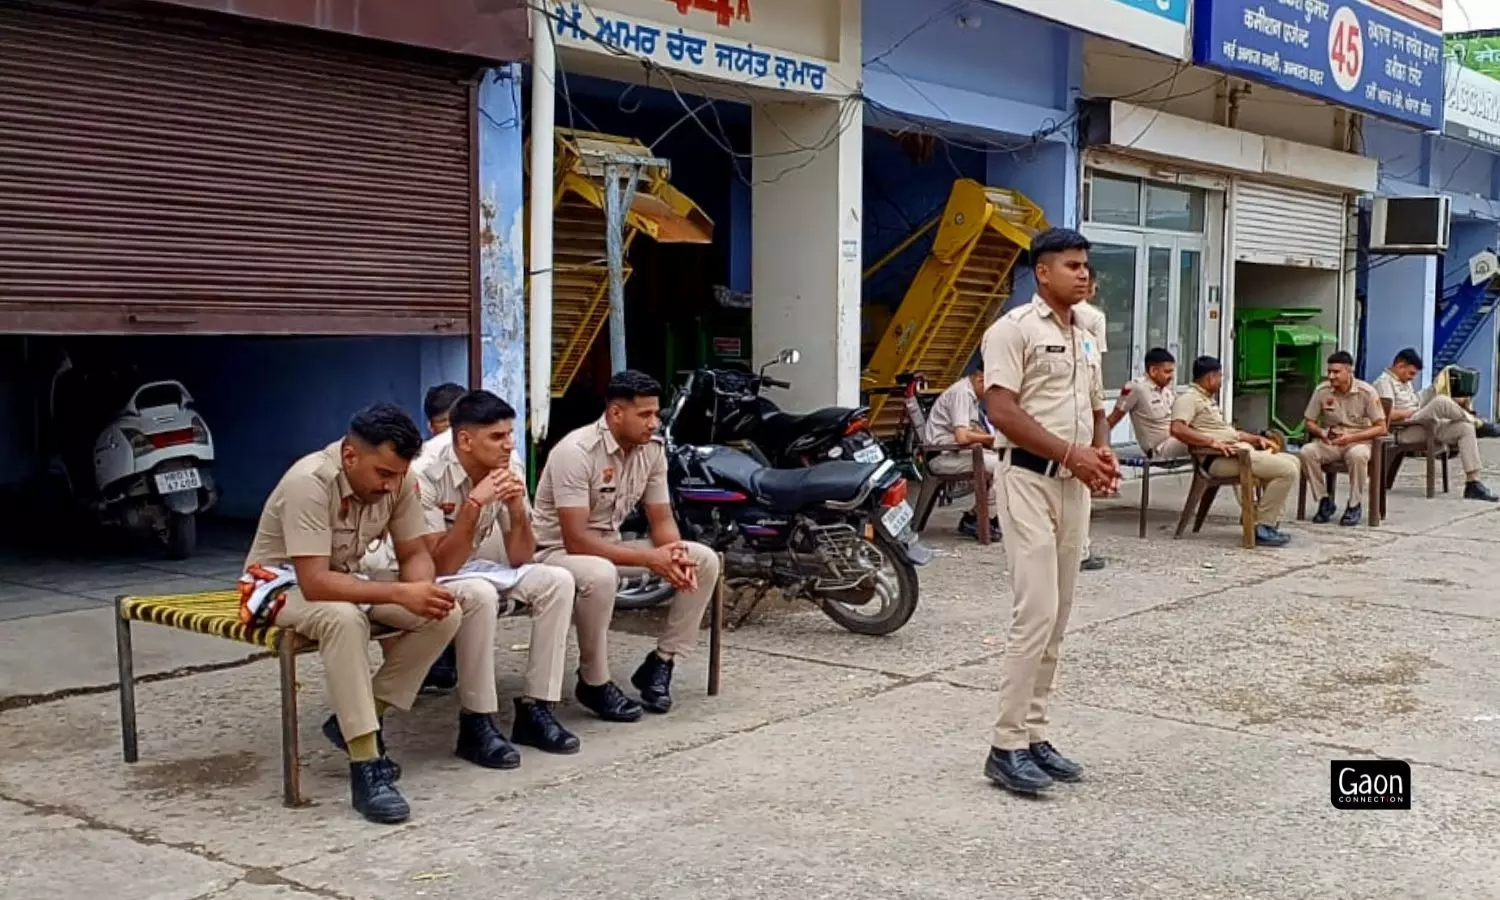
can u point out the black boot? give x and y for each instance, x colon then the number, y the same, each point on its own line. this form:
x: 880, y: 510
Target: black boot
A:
x: 1016, y: 770
x: 374, y: 793
x: 1326, y: 509
x: 1352, y: 516
x: 1475, y: 490
x: 336, y: 737
x: 607, y: 701
x: 482, y: 744
x: 1055, y: 764
x: 654, y: 680
x: 443, y: 676
x: 537, y: 727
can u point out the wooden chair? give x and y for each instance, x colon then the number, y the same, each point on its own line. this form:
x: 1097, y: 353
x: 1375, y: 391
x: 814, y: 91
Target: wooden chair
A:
x: 934, y: 482
x: 1339, y: 467
x: 1430, y: 451
x: 1205, y: 488
x: 1134, y: 457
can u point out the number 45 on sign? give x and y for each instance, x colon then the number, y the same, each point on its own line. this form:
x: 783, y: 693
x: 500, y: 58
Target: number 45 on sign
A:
x: 1346, y: 46
x: 725, y: 10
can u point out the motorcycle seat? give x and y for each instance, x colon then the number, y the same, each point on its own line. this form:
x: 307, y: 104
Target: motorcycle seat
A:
x: 787, y: 490
x: 781, y: 428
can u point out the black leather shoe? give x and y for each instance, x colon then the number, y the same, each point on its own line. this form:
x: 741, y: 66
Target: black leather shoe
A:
x: 1266, y: 536
x: 443, y: 676
x: 336, y: 737
x: 482, y: 744
x: 1016, y: 770
x: 1326, y: 509
x: 1092, y: 564
x: 374, y: 793
x: 1352, y: 516
x: 1475, y: 490
x: 537, y: 727
x: 1055, y: 764
x: 654, y: 680
x: 607, y: 701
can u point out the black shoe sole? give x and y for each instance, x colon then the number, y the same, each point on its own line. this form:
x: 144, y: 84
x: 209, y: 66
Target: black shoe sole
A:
x: 504, y: 764
x: 1000, y: 778
x: 383, y: 819
x: 521, y: 741
x: 1072, y: 778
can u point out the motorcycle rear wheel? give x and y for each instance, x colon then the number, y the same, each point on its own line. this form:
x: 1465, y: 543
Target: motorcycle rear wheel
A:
x: 181, y: 539
x: 892, y: 602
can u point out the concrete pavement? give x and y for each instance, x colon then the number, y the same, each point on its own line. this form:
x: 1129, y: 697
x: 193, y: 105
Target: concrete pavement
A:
x: 1205, y: 687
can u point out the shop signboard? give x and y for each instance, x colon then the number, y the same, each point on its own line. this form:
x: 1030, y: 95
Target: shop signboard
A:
x: 1160, y: 26
x: 789, y: 45
x: 1385, y: 60
x: 1473, y: 110
x: 1476, y: 50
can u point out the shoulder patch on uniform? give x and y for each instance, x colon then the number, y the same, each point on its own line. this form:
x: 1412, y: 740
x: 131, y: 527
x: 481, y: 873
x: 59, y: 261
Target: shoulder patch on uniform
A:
x: 609, y: 474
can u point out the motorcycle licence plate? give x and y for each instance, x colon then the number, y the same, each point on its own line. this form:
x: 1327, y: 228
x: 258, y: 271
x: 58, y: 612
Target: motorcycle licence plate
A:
x: 178, y: 481
x: 870, y: 454
x: 895, y: 519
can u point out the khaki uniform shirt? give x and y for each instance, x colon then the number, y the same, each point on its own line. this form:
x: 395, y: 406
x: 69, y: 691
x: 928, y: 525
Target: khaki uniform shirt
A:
x: 1197, y: 408
x: 588, y: 468
x: 1052, y: 368
x: 1353, y: 411
x: 313, y: 512
x: 957, y: 407
x: 1401, y: 394
x: 1150, y: 409
x: 445, y: 488
x: 1092, y: 319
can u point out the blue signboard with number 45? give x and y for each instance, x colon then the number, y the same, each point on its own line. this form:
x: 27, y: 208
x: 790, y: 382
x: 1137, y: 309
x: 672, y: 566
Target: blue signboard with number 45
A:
x: 1386, y: 61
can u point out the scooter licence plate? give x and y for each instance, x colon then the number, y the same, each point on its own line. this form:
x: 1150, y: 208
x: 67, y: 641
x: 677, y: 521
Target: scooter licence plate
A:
x: 871, y: 454
x: 895, y: 519
x: 178, y: 481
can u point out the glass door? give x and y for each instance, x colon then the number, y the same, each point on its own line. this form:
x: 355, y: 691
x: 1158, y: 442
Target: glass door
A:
x: 1117, y: 257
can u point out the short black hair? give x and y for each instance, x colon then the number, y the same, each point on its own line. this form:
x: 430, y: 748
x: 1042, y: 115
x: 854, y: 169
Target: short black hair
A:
x: 479, y: 408
x: 1158, y: 356
x: 387, y: 423
x: 440, y: 399
x: 1341, y: 357
x: 1206, y: 365
x: 1056, y: 240
x: 1410, y: 356
x: 628, y: 384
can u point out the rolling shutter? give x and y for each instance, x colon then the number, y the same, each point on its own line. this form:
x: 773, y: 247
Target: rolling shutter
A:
x: 1284, y: 226
x: 191, y: 176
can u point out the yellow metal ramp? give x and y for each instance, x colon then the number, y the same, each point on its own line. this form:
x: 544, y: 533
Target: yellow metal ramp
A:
x: 580, y: 263
x: 959, y: 290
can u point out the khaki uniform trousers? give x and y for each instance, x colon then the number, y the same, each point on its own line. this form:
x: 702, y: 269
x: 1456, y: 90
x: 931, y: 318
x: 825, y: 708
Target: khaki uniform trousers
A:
x: 1356, y: 457
x: 1450, y: 424
x: 958, y: 463
x: 1045, y: 523
x: 342, y: 631
x: 1277, y: 474
x: 598, y: 579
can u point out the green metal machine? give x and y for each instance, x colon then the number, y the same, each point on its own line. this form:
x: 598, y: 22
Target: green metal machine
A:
x: 1280, y: 353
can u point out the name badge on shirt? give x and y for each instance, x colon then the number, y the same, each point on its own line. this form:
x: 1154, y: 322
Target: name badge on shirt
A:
x: 1055, y: 348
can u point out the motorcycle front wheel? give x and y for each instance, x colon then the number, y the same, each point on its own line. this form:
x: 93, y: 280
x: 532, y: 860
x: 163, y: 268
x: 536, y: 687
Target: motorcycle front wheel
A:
x: 884, y: 607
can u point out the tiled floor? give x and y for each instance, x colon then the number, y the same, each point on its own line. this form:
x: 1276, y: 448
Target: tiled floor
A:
x: 39, y: 583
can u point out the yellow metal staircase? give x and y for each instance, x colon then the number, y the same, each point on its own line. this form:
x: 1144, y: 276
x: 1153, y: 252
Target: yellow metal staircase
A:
x: 959, y: 290
x: 580, y: 264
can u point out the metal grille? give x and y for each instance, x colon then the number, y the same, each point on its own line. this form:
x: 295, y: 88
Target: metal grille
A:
x: 1284, y: 226
x: 182, y: 176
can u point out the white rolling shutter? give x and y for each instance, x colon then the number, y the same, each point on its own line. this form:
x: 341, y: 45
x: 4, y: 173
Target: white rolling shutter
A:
x: 1283, y: 226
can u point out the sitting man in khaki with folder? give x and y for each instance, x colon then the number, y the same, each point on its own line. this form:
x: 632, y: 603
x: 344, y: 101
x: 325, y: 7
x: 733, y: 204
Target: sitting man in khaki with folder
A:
x: 1449, y: 422
x: 1198, y: 422
x: 1149, y: 402
x: 593, y: 480
x: 958, y: 419
x: 479, y: 522
x: 300, y: 574
x: 1344, y: 417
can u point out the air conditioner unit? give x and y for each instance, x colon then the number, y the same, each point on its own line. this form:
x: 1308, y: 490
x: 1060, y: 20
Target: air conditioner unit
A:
x: 1410, y: 225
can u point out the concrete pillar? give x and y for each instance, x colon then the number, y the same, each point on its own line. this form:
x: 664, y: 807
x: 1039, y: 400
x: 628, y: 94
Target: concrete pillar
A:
x: 502, y: 284
x: 805, y: 230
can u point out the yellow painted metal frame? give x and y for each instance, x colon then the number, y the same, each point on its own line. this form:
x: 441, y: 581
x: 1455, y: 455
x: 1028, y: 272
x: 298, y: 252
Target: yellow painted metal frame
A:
x: 952, y: 277
x: 581, y: 289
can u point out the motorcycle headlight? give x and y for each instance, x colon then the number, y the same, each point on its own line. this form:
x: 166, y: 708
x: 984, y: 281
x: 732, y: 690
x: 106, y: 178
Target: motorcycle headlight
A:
x: 140, y: 445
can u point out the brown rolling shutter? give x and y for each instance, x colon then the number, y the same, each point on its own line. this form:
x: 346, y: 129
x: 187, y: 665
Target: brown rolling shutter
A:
x: 180, y: 176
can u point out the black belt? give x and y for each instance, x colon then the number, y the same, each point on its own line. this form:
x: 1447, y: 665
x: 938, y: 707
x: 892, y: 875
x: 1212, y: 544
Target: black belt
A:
x: 1033, y: 463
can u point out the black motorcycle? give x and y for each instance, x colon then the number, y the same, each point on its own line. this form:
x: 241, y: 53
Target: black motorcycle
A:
x: 726, y: 406
x: 836, y: 533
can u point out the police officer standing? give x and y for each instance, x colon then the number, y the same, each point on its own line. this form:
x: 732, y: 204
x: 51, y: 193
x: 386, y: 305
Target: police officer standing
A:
x: 1044, y: 391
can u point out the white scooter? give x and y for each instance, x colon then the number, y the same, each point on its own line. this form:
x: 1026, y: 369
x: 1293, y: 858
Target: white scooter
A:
x: 151, y: 467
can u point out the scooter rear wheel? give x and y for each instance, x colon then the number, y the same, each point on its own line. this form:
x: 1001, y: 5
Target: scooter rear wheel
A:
x: 181, y: 538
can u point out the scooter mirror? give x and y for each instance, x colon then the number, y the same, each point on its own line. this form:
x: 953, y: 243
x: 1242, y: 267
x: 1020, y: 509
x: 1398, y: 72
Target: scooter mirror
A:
x: 790, y: 357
